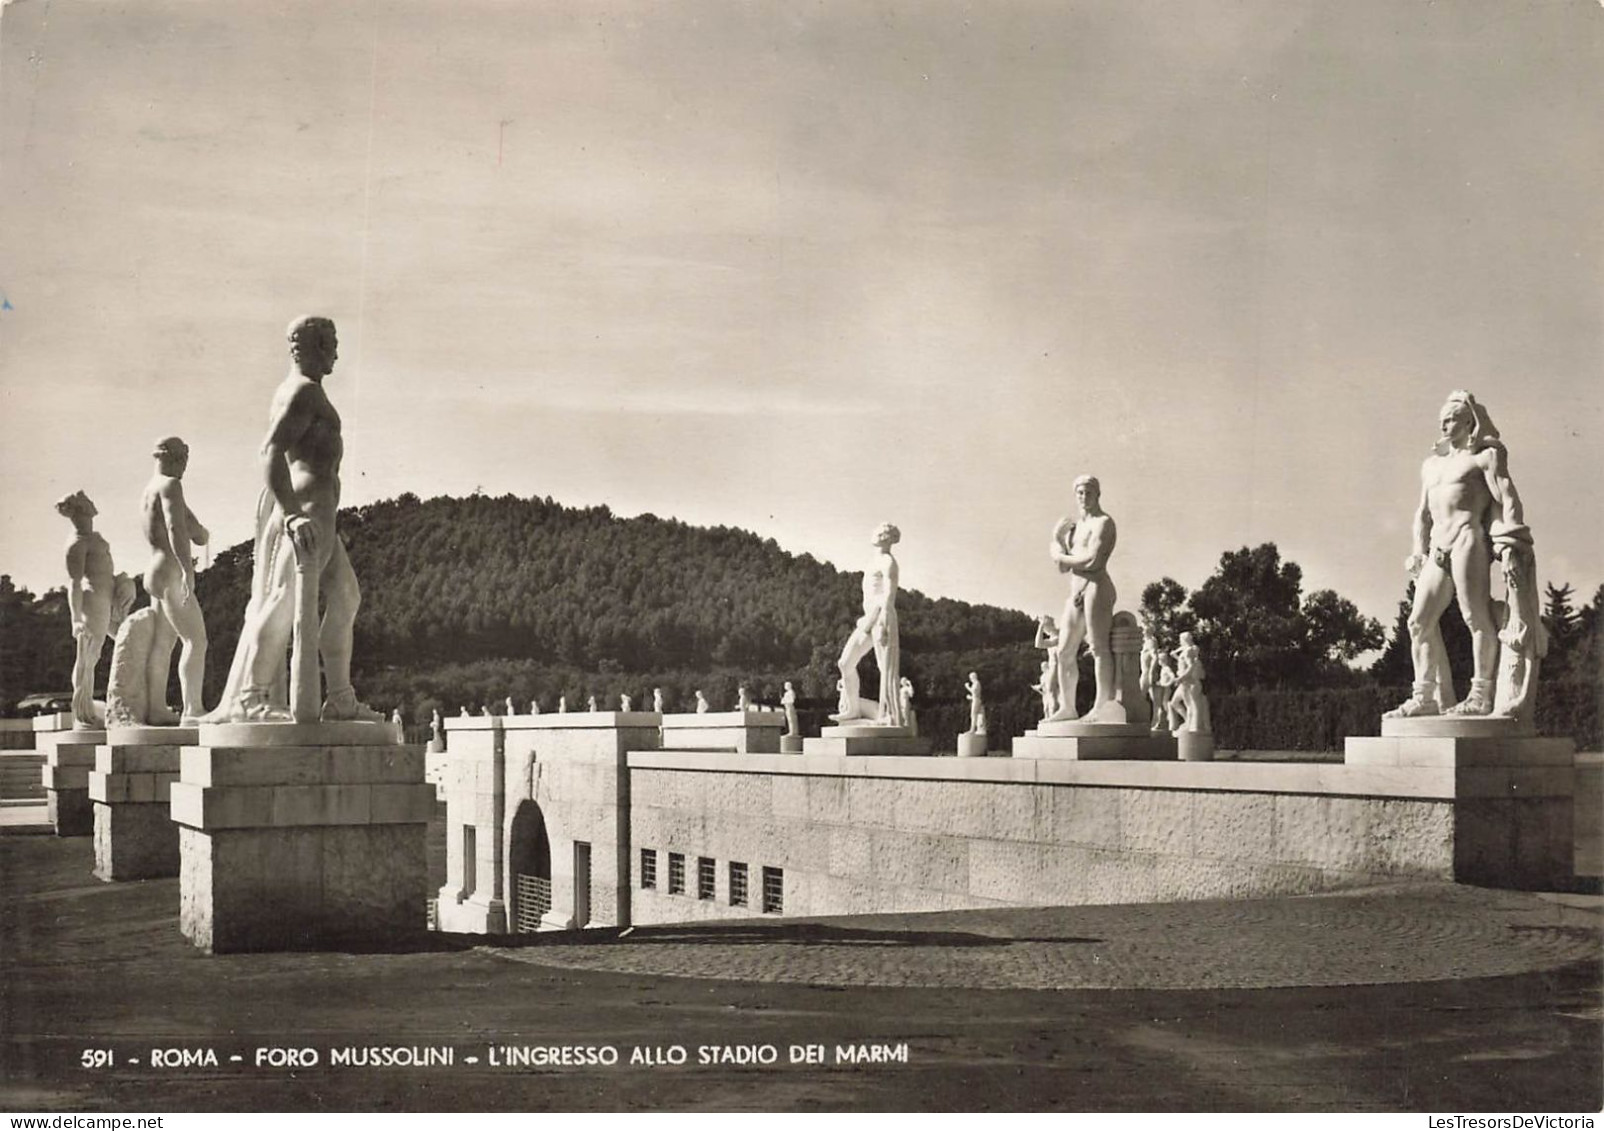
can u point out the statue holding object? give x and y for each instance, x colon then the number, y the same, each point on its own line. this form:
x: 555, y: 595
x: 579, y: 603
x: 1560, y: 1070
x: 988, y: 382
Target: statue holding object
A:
x: 299, y: 557
x: 1470, y: 516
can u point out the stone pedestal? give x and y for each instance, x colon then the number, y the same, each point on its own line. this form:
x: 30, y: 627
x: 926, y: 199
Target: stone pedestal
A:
x: 1513, y: 793
x: 1195, y: 747
x: 69, y: 758
x: 728, y: 732
x: 301, y: 836
x: 791, y: 744
x: 16, y: 734
x: 971, y: 746
x: 1078, y: 740
x: 135, y: 838
x: 856, y: 739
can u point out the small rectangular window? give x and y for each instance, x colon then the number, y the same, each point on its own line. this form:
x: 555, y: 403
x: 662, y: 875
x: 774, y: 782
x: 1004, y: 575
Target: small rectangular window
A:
x: 737, y: 884
x: 648, y: 867
x: 705, y: 877
x: 773, y: 891
x: 676, y: 873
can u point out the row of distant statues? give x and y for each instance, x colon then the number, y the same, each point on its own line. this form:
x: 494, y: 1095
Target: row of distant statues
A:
x: 1469, y: 518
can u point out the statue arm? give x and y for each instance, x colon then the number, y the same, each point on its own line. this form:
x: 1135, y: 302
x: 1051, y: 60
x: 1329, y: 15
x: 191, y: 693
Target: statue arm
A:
x: 1422, y: 528
x: 198, y: 534
x: 1094, y: 558
x: 287, y: 427
x: 77, y: 566
x: 1495, y: 466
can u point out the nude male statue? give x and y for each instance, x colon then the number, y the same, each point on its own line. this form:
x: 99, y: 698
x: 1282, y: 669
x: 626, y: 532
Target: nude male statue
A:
x: 877, y: 629
x: 94, y: 594
x: 296, y: 532
x: 1082, y: 547
x: 1466, y: 495
x: 171, y: 530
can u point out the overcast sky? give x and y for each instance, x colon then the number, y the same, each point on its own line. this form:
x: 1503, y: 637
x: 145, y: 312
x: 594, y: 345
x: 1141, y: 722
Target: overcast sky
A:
x: 803, y: 268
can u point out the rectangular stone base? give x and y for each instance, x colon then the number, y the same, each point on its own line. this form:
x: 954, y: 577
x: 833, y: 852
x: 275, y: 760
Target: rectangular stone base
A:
x: 134, y: 841
x: 22, y: 775
x: 728, y: 732
x: 302, y: 888
x: 867, y: 746
x: 1121, y: 748
x: 70, y: 811
x: 470, y: 916
x: 302, y: 847
x: 1513, y: 801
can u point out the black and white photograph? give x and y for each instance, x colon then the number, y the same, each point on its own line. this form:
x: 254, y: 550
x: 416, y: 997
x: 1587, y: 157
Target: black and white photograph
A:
x: 858, y: 556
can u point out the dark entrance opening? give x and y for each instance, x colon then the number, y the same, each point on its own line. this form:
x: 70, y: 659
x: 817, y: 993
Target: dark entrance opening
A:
x: 529, y: 861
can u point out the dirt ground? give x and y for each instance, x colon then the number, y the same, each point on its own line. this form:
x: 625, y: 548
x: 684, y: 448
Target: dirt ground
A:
x: 94, y: 971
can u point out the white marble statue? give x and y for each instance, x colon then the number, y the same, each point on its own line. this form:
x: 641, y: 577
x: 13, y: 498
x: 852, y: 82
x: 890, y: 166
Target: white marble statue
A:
x: 977, y: 706
x: 625, y: 703
x: 98, y: 598
x: 534, y: 705
x: 562, y: 704
x: 657, y: 700
x: 436, y: 728
x: 137, y: 692
x: 511, y: 710
x: 485, y: 711
x: 395, y: 717
x: 1047, y: 640
x: 590, y: 703
x: 464, y: 712
x: 702, y: 705
x: 1469, y: 516
x: 743, y: 701
x: 1081, y: 547
x: 299, y: 556
x: 876, y: 629
x: 1188, y: 707
x: 1150, y: 680
x: 788, y: 704
x: 905, y: 699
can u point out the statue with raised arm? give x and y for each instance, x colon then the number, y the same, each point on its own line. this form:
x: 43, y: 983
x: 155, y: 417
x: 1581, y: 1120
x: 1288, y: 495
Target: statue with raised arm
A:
x: 876, y: 629
x: 97, y: 597
x: 299, y: 556
x: 1469, y: 516
x: 1081, y: 547
x: 1047, y: 640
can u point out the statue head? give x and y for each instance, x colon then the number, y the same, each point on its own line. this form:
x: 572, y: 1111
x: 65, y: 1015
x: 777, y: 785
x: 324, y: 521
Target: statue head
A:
x: 313, y: 345
x: 1464, y: 424
x: 885, y: 536
x: 172, y: 456
x: 1186, y: 640
x: 1088, y: 491
x: 77, y: 506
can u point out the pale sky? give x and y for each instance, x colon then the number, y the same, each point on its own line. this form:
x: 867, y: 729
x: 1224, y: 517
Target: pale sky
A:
x: 806, y: 268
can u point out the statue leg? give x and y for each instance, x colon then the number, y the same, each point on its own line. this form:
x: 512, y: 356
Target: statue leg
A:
x: 889, y: 662
x: 1099, y: 623
x: 158, y: 663
x: 190, y: 625
x: 857, y: 646
x: 1069, y: 641
x: 265, y: 637
x: 1433, y: 590
x: 344, y: 598
x: 1471, y: 563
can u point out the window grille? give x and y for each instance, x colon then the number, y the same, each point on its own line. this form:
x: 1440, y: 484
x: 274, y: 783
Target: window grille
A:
x: 737, y: 884
x: 773, y: 891
x: 676, y: 873
x: 648, y: 868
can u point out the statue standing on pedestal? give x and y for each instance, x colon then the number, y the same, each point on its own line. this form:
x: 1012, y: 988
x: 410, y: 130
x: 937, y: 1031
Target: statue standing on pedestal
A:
x: 977, y: 706
x: 1188, y: 707
x: 298, y: 555
x: 1469, y: 516
x: 98, y: 599
x: 702, y: 705
x: 1081, y: 547
x: 657, y: 700
x: 171, y: 529
x: 788, y: 704
x: 876, y: 629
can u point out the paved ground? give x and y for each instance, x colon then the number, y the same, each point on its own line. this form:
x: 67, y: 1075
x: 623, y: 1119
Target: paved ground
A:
x: 1462, y: 1000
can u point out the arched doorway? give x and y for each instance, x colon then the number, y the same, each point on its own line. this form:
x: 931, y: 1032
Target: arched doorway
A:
x: 529, y: 861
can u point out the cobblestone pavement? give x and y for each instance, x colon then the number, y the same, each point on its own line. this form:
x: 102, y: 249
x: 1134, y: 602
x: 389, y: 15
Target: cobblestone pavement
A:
x: 1408, y: 933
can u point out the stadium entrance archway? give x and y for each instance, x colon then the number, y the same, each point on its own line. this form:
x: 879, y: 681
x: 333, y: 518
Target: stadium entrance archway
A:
x: 529, y: 861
